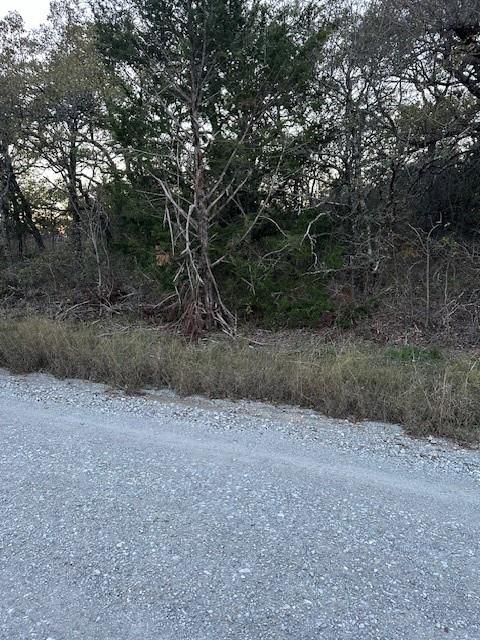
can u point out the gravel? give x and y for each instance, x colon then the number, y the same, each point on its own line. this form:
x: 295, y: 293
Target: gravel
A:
x: 160, y: 517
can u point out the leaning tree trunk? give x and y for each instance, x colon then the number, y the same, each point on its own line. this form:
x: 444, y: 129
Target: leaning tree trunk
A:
x: 14, y: 202
x: 27, y: 214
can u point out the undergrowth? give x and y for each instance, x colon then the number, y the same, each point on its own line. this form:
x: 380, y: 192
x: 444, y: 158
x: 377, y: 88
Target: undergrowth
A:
x: 424, y: 390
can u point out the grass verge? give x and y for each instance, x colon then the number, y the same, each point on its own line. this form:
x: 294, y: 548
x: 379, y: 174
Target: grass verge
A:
x: 423, y: 390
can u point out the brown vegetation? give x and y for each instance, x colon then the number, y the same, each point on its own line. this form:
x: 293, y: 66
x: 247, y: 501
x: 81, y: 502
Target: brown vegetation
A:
x: 428, y: 391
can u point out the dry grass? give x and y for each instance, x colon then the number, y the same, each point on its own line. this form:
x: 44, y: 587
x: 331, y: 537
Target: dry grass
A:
x: 424, y: 390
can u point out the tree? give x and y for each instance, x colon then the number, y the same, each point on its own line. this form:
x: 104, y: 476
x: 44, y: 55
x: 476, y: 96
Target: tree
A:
x: 67, y: 133
x: 222, y: 85
x: 15, y: 70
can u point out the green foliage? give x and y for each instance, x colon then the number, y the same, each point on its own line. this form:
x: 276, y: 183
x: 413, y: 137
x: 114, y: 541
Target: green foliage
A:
x: 244, y: 71
x: 137, y: 227
x: 349, y: 314
x: 308, y: 162
x: 409, y: 353
x: 279, y: 294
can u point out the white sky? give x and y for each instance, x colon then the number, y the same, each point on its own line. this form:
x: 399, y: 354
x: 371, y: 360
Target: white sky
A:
x: 33, y: 11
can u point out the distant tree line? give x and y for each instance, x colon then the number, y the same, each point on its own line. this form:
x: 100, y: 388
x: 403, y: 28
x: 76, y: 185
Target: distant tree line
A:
x: 252, y: 158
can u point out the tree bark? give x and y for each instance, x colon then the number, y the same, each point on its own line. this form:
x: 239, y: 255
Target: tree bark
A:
x: 206, y: 307
x: 73, y: 199
x: 22, y: 210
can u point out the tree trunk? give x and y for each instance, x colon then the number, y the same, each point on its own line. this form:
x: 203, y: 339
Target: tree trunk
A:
x: 205, y: 309
x: 4, y: 239
x: 22, y: 210
x: 73, y: 199
x: 27, y: 214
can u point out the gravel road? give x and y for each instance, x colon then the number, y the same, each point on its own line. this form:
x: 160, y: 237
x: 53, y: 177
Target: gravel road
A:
x: 160, y: 518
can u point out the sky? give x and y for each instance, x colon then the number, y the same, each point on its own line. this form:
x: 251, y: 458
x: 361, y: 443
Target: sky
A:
x: 33, y: 11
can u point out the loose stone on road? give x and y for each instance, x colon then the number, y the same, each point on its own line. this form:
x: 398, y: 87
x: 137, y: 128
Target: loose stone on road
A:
x: 162, y: 518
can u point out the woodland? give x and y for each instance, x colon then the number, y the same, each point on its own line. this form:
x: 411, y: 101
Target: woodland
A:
x: 210, y: 164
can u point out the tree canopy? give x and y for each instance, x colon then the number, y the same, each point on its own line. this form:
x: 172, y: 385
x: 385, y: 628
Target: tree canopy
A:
x: 252, y: 159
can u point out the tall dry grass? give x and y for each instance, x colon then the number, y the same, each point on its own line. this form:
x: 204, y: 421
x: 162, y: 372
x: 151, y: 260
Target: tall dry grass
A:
x: 423, y: 390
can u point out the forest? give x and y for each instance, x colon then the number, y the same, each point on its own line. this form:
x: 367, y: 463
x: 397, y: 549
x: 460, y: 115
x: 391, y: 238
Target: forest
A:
x: 212, y: 163
x: 272, y: 200
x: 240, y: 320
